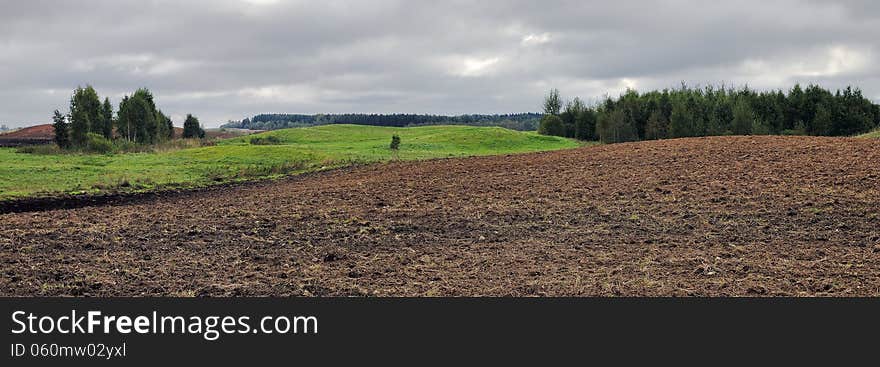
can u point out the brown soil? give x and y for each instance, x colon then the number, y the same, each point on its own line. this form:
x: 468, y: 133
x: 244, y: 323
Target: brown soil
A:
x: 34, y: 135
x: 33, y: 132
x: 706, y: 216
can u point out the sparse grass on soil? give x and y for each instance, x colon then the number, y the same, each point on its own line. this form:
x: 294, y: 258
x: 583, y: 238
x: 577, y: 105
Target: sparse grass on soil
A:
x: 719, y: 216
x: 299, y: 150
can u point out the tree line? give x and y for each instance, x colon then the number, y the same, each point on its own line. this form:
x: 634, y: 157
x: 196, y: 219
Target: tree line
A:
x: 137, y: 120
x: 516, y: 121
x: 688, y: 112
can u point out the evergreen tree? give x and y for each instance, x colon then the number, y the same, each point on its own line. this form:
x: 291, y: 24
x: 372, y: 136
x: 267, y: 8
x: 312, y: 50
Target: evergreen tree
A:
x: 795, y: 110
x: 169, y: 127
x: 107, y: 119
x: 60, y: 127
x: 162, y: 132
x: 821, y: 124
x: 761, y: 127
x: 585, y: 125
x: 79, y: 127
x: 395, y: 142
x: 124, y: 125
x: 616, y: 127
x: 709, y: 111
x: 191, y: 128
x: 144, y: 120
x: 743, y: 118
x: 569, y: 117
x: 657, y: 127
x: 681, y: 122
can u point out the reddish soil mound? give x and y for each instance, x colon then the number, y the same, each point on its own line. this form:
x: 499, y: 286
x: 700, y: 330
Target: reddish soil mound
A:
x: 705, y: 216
x: 33, y: 132
x: 39, y: 134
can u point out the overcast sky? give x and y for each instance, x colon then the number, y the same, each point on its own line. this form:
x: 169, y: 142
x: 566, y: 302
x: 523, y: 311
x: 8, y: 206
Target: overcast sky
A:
x: 229, y: 59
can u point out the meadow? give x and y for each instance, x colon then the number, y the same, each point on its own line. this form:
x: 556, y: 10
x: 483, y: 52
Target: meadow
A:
x: 282, y: 152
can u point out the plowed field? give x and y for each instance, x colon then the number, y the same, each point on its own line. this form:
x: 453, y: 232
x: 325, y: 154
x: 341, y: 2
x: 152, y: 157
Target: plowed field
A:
x: 688, y: 217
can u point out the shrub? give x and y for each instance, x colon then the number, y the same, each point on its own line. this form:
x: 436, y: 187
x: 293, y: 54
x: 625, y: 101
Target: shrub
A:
x: 265, y: 140
x: 551, y: 125
x: 761, y: 127
x: 97, y: 143
x: 45, y: 149
x: 799, y: 129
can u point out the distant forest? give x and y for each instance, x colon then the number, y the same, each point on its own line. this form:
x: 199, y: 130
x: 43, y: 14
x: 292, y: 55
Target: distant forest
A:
x: 687, y: 112
x: 516, y: 121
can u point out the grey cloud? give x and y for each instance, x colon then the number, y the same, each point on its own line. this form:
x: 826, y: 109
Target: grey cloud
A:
x: 232, y: 58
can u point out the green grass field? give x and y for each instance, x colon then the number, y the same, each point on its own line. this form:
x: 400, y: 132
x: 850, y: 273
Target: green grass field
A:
x: 873, y: 134
x: 299, y: 150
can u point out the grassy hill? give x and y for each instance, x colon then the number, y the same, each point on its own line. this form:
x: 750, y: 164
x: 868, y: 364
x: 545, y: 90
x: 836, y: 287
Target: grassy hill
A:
x: 873, y: 134
x: 296, y: 151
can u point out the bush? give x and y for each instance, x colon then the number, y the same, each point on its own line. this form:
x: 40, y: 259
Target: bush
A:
x: 799, y: 129
x: 45, y: 149
x: 265, y: 140
x: 551, y: 125
x: 761, y: 127
x: 96, y: 143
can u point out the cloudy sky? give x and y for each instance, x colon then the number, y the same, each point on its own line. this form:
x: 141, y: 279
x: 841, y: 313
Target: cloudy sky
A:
x: 228, y: 59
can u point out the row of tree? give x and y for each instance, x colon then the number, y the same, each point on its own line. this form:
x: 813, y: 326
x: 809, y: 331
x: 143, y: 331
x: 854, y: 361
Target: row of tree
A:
x: 516, y: 121
x: 686, y: 112
x: 137, y: 120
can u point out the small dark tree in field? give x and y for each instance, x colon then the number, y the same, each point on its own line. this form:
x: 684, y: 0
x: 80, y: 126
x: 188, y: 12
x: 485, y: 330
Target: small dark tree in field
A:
x: 191, y: 128
x: 61, y: 134
x: 395, y: 146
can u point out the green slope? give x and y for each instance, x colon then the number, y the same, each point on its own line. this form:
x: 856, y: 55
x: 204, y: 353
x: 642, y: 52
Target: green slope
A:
x: 300, y: 150
x: 873, y: 134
